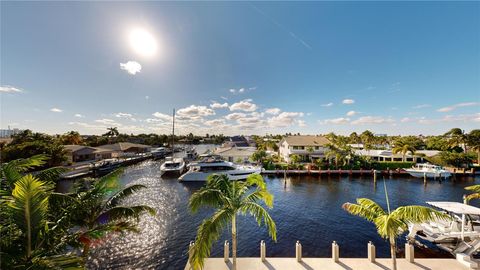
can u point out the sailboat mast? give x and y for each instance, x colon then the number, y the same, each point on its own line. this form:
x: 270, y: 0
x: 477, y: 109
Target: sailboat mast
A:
x: 173, y: 133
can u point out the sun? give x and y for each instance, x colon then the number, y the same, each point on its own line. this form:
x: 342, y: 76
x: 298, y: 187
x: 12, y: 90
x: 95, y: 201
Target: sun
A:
x: 143, y: 42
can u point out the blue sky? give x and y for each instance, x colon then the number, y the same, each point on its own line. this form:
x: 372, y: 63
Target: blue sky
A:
x: 241, y: 67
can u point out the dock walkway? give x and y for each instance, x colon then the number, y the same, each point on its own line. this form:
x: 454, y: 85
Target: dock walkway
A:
x: 329, y: 264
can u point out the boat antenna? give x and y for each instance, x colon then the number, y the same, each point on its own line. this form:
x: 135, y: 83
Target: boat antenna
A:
x: 173, y: 132
x: 386, y: 194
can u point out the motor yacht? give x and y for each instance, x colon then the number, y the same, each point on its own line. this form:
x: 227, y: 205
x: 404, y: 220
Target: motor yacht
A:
x: 421, y: 170
x: 172, y: 166
x: 460, y: 234
x: 201, y: 170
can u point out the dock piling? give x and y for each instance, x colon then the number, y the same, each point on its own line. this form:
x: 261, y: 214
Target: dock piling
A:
x: 263, y: 250
x: 298, y: 251
x: 374, y: 176
x: 424, y: 178
x: 409, y: 253
x: 335, y: 252
x: 226, y: 251
x: 371, y: 252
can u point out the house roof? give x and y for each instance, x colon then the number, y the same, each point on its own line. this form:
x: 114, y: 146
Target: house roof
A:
x: 235, y: 151
x: 74, y: 148
x: 306, y: 140
x: 123, y: 146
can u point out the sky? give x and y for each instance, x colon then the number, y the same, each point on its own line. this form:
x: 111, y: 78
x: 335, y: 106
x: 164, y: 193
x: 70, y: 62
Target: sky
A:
x: 240, y: 67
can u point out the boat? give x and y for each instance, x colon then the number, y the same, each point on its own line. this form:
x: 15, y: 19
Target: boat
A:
x: 421, y: 170
x: 172, y: 166
x: 199, y: 171
x: 106, y: 166
x: 190, y: 153
x: 459, y: 235
x: 159, y: 153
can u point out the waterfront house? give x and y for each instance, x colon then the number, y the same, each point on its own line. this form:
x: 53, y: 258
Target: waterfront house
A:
x: 308, y: 147
x: 238, y: 141
x: 127, y: 149
x: 234, y: 154
x: 79, y: 153
x: 388, y: 155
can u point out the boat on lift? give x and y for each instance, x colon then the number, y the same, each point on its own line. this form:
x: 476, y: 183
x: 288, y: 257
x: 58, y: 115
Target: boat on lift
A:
x: 421, y: 170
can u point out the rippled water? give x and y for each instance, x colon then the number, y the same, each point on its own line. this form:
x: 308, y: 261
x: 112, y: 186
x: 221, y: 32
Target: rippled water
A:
x: 308, y: 209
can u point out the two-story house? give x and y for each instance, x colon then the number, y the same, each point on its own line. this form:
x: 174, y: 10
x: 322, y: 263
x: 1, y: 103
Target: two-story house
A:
x: 308, y: 147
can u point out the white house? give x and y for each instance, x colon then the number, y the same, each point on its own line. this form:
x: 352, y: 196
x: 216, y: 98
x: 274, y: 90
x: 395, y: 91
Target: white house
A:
x: 388, y: 155
x: 306, y: 146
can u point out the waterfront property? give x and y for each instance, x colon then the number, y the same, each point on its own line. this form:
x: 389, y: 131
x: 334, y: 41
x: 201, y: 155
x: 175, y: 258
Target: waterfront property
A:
x: 235, y: 153
x: 388, y: 155
x: 127, y: 149
x: 79, y: 153
x: 308, y: 147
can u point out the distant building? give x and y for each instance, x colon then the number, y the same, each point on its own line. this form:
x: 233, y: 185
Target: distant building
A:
x: 388, y: 155
x: 7, y: 133
x: 308, y: 147
x: 126, y: 148
x: 80, y: 153
x: 233, y: 154
x: 238, y: 141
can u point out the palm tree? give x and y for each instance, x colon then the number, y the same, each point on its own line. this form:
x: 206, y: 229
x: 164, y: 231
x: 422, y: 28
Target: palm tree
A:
x: 259, y: 156
x: 72, y: 137
x: 368, y: 139
x: 294, y: 158
x: 473, y: 141
x: 456, y: 137
x: 229, y: 198
x: 98, y: 210
x: 403, y: 147
x: 354, y: 138
x: 392, y: 224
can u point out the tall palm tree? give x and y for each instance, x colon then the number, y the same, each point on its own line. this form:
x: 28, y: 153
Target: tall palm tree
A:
x: 456, y: 137
x: 473, y: 141
x: 392, y: 224
x: 229, y: 198
x: 368, y: 139
x: 403, y: 147
x: 354, y: 138
x: 71, y: 137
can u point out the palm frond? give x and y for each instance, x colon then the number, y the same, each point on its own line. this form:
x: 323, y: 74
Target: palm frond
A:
x: 370, y: 204
x: 59, y: 262
x: 418, y: 214
x: 361, y: 211
x: 29, y: 206
x: 472, y: 196
x: 26, y: 164
x: 123, y: 213
x: 51, y: 174
x: 260, y: 195
x: 109, y: 182
x: 474, y: 188
x: 205, y: 197
x: 389, y: 226
x: 122, y: 194
x: 209, y: 232
x: 256, y: 179
x: 259, y: 213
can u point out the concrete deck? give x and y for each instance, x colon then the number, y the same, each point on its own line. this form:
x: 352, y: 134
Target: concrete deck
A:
x: 328, y: 264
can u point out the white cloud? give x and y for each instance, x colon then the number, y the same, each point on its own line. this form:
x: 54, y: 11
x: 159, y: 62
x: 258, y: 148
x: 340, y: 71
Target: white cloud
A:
x: 244, y: 105
x: 78, y: 115
x: 241, y: 90
x: 455, y: 106
x: 351, y: 113
x: 215, y: 122
x: 301, y: 123
x: 235, y: 116
x: 57, y: 110
x: 336, y: 121
x: 106, y: 121
x: 10, y: 89
x: 123, y: 115
x: 405, y: 119
x: 372, y: 120
x: 232, y: 90
x: 421, y: 106
x: 348, y: 101
x: 224, y: 98
x: 216, y: 105
x: 284, y: 119
x: 327, y: 104
x: 132, y: 67
x: 147, y: 97
x: 252, y: 88
x: 273, y: 111
x: 162, y: 116
x: 194, y: 112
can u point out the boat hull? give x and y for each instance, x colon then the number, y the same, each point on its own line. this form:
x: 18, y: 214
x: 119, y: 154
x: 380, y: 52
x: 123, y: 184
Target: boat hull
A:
x: 420, y: 174
x: 233, y: 175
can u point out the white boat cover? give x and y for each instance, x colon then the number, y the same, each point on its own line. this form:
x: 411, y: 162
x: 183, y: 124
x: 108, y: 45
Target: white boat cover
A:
x: 456, y: 207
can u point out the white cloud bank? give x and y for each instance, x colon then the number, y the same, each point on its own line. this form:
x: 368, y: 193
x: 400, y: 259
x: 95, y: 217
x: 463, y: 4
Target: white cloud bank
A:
x: 216, y: 105
x: 244, y: 105
x: 459, y: 105
x: 348, y: 101
x: 10, y: 89
x: 57, y: 110
x: 132, y: 67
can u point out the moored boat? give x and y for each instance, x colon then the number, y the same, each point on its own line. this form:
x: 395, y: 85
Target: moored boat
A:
x: 421, y: 170
x: 172, y: 166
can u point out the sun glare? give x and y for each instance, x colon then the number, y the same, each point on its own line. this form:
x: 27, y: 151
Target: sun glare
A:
x: 143, y: 42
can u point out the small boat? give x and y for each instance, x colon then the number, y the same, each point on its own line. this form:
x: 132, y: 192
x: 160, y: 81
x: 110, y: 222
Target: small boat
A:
x: 172, y: 166
x: 461, y: 234
x: 421, y: 170
x: 106, y: 166
x: 159, y: 153
x: 201, y: 170
x: 190, y: 153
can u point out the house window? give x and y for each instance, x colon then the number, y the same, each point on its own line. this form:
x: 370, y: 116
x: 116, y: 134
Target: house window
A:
x: 317, y: 147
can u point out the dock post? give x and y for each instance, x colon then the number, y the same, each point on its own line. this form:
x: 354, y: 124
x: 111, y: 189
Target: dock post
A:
x: 190, y: 250
x: 371, y: 252
x: 263, y: 250
x: 409, y: 253
x: 424, y: 178
x: 226, y: 251
x: 298, y: 251
x: 335, y: 252
x: 375, y: 176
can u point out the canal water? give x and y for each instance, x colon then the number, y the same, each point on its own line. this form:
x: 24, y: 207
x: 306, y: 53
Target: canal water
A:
x: 309, y: 209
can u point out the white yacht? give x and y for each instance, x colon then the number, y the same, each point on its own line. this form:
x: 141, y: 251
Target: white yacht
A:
x: 421, y: 170
x: 175, y: 166
x: 461, y: 234
x: 199, y: 171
